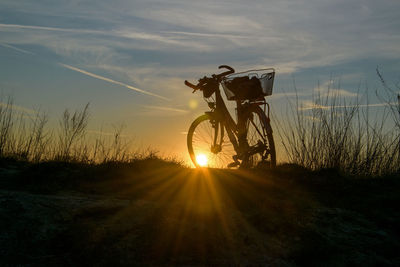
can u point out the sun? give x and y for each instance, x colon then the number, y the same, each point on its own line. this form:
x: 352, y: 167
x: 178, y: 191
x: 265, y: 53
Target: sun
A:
x: 202, y: 160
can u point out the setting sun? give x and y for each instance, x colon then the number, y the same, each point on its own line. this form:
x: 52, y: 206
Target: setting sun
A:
x: 202, y: 160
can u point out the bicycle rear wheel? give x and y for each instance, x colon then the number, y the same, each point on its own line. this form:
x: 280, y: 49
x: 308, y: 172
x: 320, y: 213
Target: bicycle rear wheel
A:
x: 260, y: 139
x: 209, y: 144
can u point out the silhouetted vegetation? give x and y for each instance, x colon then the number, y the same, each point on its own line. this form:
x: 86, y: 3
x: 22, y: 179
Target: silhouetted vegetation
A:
x: 333, y: 133
x: 330, y: 133
x: 25, y: 136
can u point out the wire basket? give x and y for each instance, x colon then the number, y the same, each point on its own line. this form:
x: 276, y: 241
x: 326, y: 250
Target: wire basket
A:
x: 249, y: 85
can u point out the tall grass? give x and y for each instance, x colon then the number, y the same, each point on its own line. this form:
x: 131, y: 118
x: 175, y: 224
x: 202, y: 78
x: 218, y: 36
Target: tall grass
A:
x: 336, y: 133
x: 26, y: 136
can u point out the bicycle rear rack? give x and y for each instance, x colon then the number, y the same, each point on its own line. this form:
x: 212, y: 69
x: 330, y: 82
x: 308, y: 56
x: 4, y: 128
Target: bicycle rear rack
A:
x: 265, y: 105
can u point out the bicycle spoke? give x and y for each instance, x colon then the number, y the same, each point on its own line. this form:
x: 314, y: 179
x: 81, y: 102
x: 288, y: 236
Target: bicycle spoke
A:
x: 219, y: 154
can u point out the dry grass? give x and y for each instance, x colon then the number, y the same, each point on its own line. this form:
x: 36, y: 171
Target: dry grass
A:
x: 26, y: 136
x: 333, y: 133
x: 336, y: 134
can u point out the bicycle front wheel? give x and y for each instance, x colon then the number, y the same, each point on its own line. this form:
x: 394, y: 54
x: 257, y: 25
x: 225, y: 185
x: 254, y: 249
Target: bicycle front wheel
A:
x: 260, y: 139
x: 209, y: 144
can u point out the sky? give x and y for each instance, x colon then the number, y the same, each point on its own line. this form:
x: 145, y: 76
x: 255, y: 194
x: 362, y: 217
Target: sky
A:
x: 129, y: 58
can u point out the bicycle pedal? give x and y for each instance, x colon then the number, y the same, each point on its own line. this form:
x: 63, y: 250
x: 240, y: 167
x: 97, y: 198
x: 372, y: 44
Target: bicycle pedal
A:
x: 233, y: 164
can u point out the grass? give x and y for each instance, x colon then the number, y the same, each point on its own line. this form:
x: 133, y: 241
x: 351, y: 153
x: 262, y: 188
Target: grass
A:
x: 27, y: 137
x: 333, y: 133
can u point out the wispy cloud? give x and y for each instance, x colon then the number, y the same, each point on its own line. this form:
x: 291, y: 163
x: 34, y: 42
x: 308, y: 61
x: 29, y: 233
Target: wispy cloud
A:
x: 328, y: 89
x: 17, y: 108
x: 129, y: 33
x: 224, y: 36
x: 309, y: 105
x: 44, y: 28
x: 288, y: 95
x: 112, y: 81
x: 338, y: 92
x: 166, y: 109
x: 161, y: 111
x: 201, y: 17
x: 16, y: 48
x: 379, y: 104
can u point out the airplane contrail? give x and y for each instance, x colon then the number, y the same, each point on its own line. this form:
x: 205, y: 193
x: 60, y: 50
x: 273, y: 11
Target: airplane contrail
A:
x: 166, y: 108
x: 31, y: 27
x: 112, y: 81
x: 16, y: 48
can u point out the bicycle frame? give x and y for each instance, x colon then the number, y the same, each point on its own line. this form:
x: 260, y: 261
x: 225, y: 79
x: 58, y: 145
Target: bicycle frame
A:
x: 222, y: 116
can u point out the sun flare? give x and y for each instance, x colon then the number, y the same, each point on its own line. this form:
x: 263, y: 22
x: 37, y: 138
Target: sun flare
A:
x: 202, y: 160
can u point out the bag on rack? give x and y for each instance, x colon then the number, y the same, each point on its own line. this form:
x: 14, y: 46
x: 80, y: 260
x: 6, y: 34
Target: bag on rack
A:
x: 245, y: 88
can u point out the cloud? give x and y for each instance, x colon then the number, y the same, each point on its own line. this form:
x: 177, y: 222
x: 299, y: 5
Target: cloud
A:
x: 18, y: 108
x: 379, y: 104
x: 112, y: 81
x: 161, y: 111
x: 327, y: 89
x: 309, y: 105
x: 336, y: 92
x: 201, y: 16
x: 288, y: 95
x: 288, y: 35
x: 44, y: 28
x: 224, y: 36
x: 166, y: 109
x: 124, y: 32
x: 16, y: 49
x: 189, y: 39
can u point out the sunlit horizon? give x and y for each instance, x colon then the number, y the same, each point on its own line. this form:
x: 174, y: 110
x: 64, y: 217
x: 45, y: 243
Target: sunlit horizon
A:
x: 129, y: 59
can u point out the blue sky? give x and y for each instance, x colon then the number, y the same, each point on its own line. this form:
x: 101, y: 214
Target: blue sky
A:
x: 129, y: 58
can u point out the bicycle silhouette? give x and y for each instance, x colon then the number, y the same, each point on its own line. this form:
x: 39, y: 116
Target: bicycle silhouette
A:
x: 215, y: 140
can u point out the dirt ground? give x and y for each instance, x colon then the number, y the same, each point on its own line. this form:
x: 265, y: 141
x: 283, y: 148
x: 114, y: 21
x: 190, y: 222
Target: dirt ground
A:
x: 162, y: 214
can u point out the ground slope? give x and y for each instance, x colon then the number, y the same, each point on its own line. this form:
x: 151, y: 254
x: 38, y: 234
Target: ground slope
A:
x: 153, y: 212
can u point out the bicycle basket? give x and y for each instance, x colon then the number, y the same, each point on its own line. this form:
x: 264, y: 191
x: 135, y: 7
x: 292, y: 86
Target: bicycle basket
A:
x: 249, y: 85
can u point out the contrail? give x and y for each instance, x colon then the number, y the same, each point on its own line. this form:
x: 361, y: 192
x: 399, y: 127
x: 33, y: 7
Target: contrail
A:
x: 111, y: 81
x: 166, y: 108
x: 219, y: 35
x: 44, y: 28
x: 16, y: 48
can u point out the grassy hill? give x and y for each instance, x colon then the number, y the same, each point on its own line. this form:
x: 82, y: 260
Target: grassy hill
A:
x: 153, y: 212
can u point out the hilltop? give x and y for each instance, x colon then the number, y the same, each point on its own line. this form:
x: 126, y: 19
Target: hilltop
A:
x: 152, y: 212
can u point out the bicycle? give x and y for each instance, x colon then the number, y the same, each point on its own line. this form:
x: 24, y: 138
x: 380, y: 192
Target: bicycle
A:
x: 215, y: 140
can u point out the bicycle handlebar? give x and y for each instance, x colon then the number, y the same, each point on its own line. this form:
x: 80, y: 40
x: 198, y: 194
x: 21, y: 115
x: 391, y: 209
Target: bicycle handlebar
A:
x: 230, y: 70
x: 217, y: 76
x: 194, y: 87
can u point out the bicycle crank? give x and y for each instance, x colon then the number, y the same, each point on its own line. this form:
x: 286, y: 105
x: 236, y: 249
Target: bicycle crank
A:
x: 260, y: 147
x: 216, y: 149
